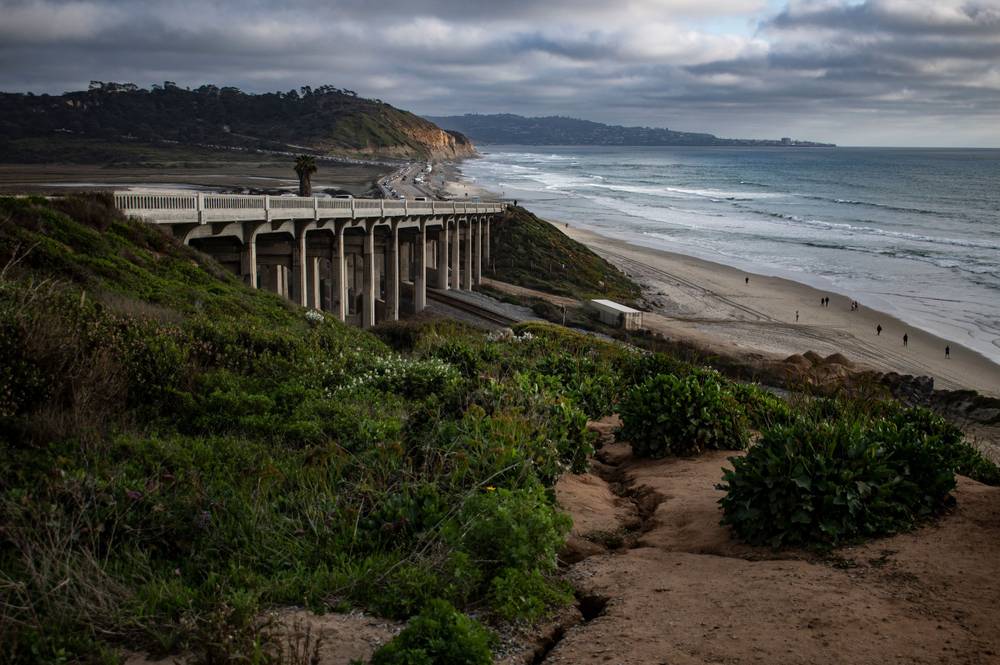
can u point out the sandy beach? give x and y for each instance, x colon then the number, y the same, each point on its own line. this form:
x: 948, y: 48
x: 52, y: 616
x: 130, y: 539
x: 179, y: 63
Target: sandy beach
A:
x: 715, y: 306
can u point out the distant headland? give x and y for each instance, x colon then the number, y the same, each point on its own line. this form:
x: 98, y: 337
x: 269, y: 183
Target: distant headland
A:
x: 558, y: 130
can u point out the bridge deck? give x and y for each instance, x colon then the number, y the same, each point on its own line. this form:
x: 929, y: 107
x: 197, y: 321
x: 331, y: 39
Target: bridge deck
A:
x: 181, y: 208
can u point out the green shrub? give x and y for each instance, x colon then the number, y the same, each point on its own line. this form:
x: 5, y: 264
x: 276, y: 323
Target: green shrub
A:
x: 762, y: 408
x: 525, y: 595
x: 502, y: 528
x: 439, y: 635
x: 826, y: 483
x: 668, y: 415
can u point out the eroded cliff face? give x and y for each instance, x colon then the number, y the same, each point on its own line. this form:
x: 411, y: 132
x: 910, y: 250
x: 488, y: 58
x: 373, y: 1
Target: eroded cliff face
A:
x: 421, y: 142
x: 442, y: 144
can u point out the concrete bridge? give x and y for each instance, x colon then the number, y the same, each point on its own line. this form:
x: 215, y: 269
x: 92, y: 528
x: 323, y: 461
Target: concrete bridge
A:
x: 364, y: 259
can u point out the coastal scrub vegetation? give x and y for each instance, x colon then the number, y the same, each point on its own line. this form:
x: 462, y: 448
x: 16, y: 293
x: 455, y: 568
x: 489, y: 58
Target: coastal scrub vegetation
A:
x: 861, y: 473
x: 531, y: 252
x: 179, y: 453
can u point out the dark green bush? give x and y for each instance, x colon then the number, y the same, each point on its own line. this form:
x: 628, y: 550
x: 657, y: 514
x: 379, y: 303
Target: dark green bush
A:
x: 518, y: 595
x: 439, y: 635
x: 762, y: 408
x: 827, y: 483
x: 668, y: 415
x: 502, y: 528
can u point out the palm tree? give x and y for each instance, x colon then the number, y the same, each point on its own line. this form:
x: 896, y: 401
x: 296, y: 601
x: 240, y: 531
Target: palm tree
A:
x: 305, y: 166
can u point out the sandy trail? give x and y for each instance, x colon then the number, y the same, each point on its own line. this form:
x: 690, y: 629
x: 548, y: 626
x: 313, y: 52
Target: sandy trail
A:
x: 685, y: 592
x: 711, y: 305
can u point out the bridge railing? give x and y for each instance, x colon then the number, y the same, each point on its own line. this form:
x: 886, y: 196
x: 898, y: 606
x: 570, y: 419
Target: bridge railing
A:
x: 232, y: 202
x: 181, y: 207
x: 152, y: 201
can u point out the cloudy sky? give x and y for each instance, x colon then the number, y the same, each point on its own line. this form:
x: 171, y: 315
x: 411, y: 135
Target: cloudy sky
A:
x: 875, y: 72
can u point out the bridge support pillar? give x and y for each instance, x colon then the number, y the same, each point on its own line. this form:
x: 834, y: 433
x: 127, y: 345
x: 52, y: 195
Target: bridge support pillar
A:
x: 368, y: 297
x: 392, y: 274
x: 455, y: 247
x: 339, y: 270
x: 248, y: 257
x: 317, y: 300
x: 467, y: 274
x: 300, y: 269
x: 280, y: 287
x: 486, y: 244
x: 420, y: 266
x: 477, y: 273
x: 442, y: 257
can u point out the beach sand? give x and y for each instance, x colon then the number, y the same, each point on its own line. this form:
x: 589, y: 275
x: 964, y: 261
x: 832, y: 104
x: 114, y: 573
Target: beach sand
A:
x: 712, y: 305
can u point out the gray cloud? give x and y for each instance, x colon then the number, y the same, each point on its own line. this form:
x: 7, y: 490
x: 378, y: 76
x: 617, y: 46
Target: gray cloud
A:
x: 880, y: 71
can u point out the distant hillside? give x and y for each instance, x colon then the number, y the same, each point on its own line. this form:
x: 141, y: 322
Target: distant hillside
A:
x: 324, y: 120
x: 558, y: 130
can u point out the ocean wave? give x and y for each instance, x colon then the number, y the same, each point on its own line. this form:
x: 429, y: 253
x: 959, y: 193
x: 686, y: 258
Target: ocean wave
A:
x: 879, y: 206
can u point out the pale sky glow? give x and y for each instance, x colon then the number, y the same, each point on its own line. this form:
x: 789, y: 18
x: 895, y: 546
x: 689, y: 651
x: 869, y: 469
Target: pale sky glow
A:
x: 876, y: 72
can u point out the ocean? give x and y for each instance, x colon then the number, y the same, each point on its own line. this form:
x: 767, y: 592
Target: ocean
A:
x: 911, y: 232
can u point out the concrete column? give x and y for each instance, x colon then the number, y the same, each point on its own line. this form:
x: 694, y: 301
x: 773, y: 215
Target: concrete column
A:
x: 368, y: 297
x: 317, y: 301
x: 248, y: 259
x: 300, y: 269
x: 477, y: 272
x: 455, y: 246
x: 279, y: 281
x: 339, y: 274
x: 467, y: 273
x: 420, y: 266
x: 392, y: 274
x: 486, y: 244
x: 442, y: 257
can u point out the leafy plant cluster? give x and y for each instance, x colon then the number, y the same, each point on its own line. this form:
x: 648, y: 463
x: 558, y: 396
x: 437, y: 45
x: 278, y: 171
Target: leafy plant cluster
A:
x: 843, y: 470
x: 178, y: 452
x: 672, y: 415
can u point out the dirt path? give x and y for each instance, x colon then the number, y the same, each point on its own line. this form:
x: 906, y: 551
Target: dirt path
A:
x: 676, y: 588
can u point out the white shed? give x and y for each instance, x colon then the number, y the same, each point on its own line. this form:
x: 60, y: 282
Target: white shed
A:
x: 615, y: 314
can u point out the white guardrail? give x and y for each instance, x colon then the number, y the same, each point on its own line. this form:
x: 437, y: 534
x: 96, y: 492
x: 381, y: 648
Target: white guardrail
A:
x: 170, y: 208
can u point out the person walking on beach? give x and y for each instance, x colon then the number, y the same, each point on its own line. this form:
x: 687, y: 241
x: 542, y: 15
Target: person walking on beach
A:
x: 878, y: 330
x: 746, y: 280
x: 947, y: 352
x: 796, y: 316
x: 906, y: 339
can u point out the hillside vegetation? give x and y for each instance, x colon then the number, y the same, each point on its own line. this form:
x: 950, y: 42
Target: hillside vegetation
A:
x: 531, y: 252
x: 179, y: 453
x: 326, y: 120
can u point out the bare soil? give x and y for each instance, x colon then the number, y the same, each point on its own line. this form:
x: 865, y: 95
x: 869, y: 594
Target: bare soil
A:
x: 684, y: 591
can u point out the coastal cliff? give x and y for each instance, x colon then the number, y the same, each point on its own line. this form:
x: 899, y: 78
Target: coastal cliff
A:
x: 326, y: 120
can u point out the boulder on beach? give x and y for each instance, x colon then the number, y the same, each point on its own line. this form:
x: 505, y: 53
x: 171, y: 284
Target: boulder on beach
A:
x: 838, y: 359
x: 796, y: 360
x: 813, y: 357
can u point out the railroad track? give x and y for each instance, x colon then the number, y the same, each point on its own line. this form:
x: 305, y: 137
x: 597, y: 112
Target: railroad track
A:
x: 490, y: 315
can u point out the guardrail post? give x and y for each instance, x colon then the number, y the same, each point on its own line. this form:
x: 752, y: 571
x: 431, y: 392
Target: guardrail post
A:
x: 267, y: 207
x: 199, y: 202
